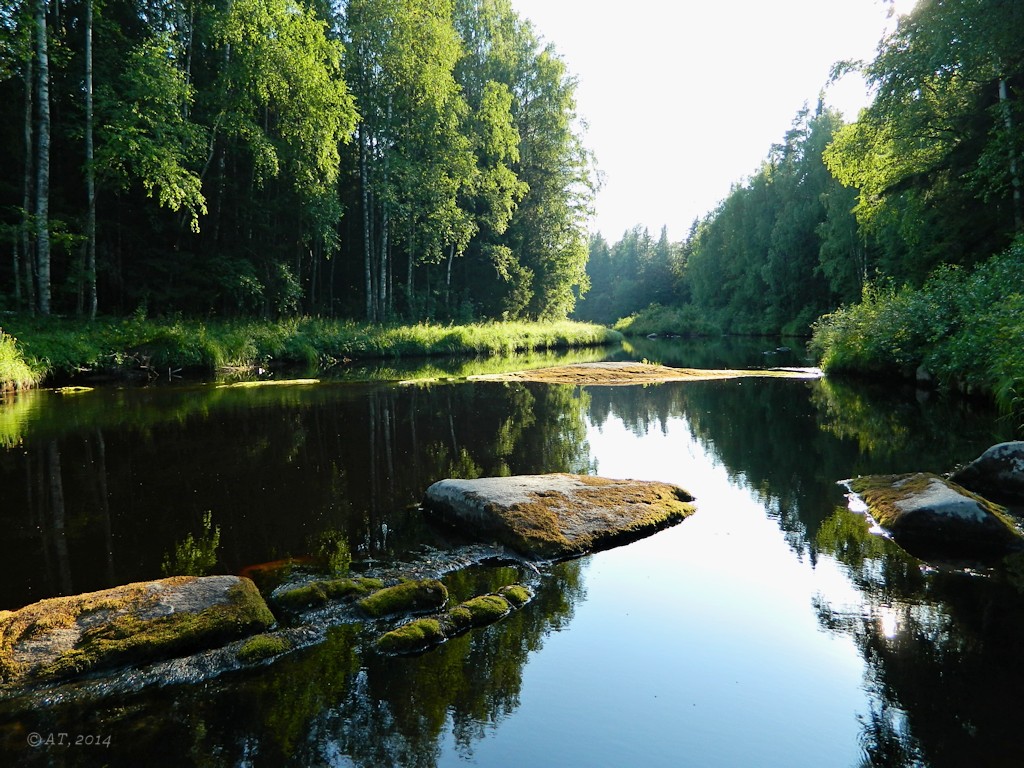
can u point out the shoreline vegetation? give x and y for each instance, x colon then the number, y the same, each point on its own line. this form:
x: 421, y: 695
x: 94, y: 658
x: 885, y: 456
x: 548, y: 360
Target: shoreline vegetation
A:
x: 34, y: 351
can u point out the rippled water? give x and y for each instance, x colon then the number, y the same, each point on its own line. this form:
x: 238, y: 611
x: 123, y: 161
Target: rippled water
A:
x: 769, y: 629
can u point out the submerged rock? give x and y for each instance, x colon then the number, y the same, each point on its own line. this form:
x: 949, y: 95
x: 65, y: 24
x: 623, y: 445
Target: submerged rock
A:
x: 630, y: 373
x: 406, y: 597
x: 137, y: 623
x: 933, y: 518
x: 423, y: 634
x: 997, y: 474
x: 559, y: 515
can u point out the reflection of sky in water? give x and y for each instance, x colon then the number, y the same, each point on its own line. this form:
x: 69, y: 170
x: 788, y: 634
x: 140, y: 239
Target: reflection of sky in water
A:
x: 697, y: 646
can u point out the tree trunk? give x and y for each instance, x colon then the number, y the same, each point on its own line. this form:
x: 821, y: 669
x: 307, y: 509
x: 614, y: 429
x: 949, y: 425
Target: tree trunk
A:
x: 43, y: 161
x: 90, y: 174
x: 364, y: 180
x: 25, y: 260
x: 1004, y: 101
x: 448, y: 280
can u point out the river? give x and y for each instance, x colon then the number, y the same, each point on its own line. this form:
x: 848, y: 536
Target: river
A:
x: 769, y: 629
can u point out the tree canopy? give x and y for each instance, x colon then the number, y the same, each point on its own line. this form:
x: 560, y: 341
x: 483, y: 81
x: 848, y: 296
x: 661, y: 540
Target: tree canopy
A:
x: 386, y: 159
x: 928, y: 175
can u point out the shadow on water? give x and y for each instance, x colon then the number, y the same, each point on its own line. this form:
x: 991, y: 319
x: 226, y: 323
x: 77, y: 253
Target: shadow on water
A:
x: 98, y: 487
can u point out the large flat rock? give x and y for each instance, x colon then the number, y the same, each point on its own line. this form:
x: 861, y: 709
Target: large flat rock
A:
x: 629, y: 373
x: 131, y: 624
x: 556, y: 516
x: 933, y: 518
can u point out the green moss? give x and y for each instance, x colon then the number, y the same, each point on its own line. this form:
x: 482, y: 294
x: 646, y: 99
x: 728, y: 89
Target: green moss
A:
x: 415, y: 636
x: 409, y: 596
x: 126, y: 639
x: 516, y: 594
x: 262, y: 647
x: 319, y: 592
x: 882, y: 494
x: 486, y: 609
x: 459, y: 619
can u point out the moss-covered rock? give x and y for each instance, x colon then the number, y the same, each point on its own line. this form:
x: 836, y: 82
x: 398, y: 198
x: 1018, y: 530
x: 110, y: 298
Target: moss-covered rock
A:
x: 260, y: 647
x: 133, y: 624
x: 559, y: 515
x: 320, y: 592
x: 417, y: 635
x: 486, y: 609
x: 516, y: 594
x: 933, y: 518
x: 476, y: 612
x: 406, y: 597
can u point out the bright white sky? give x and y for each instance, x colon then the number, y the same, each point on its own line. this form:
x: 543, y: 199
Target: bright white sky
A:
x: 684, y: 98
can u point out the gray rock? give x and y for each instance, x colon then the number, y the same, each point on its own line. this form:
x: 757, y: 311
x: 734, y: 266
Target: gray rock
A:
x: 935, y: 519
x: 997, y: 474
x: 63, y: 637
x: 550, y: 517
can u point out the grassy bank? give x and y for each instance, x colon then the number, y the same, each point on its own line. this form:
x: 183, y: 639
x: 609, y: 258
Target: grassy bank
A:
x: 37, y: 349
x: 15, y: 372
x: 965, y: 328
x: 666, y: 321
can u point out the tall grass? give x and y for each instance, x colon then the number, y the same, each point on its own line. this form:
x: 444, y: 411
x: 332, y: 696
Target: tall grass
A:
x: 59, y: 347
x: 15, y: 372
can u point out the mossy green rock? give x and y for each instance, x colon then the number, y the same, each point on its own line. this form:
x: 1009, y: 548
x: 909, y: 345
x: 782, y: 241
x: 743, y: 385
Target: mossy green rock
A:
x: 406, y: 597
x: 262, y: 647
x: 422, y: 634
x: 320, y: 592
x: 556, y: 516
x: 132, y: 624
x: 417, y: 635
x: 933, y: 518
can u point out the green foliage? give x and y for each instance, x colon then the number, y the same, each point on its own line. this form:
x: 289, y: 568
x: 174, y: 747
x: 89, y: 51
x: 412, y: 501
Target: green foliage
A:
x: 194, y: 556
x: 674, y: 321
x: 54, y: 346
x: 331, y: 548
x: 15, y: 372
x: 963, y: 326
x: 224, y: 160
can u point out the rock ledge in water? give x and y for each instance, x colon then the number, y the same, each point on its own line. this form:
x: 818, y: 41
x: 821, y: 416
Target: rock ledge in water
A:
x: 933, y: 518
x: 559, y: 515
x: 137, y: 623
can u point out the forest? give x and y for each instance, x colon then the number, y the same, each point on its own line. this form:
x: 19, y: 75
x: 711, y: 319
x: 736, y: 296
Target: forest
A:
x: 372, y: 159
x: 923, y: 188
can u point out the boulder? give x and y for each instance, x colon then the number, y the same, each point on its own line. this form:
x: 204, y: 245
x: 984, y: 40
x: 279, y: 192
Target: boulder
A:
x: 136, y: 623
x: 933, y: 518
x: 551, y: 517
x: 997, y: 474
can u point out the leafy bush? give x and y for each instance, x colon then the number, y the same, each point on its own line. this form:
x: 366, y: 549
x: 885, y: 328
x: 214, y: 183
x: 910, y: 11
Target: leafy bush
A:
x: 966, y: 327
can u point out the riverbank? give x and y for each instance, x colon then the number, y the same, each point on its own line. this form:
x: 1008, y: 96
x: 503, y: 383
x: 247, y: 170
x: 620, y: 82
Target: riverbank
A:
x: 36, y: 350
x: 961, y: 330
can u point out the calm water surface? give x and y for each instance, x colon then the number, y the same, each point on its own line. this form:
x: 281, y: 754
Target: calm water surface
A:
x: 769, y: 629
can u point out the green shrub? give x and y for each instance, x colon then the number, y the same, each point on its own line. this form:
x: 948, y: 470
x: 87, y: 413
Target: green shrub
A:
x: 966, y: 327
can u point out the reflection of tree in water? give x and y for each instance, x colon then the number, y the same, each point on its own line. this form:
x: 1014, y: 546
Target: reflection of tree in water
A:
x: 944, y: 653
x: 762, y: 430
x: 276, y: 467
x: 789, y: 442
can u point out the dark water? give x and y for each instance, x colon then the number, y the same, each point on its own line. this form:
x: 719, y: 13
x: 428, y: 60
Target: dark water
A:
x: 769, y: 629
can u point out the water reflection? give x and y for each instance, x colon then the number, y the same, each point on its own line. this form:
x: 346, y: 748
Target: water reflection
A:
x: 97, y: 488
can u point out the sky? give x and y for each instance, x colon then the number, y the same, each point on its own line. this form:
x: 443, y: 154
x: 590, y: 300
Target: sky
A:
x: 682, y: 98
